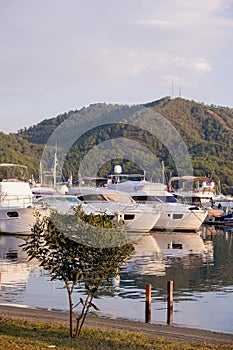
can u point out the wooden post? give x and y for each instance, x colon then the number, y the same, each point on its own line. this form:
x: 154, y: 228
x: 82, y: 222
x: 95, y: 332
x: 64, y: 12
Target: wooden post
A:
x: 148, y: 304
x: 169, y: 302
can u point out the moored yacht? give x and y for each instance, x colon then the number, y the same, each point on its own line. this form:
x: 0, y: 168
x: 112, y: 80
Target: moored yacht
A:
x: 198, y: 190
x: 137, y: 217
x: 174, y: 215
x: 16, y: 212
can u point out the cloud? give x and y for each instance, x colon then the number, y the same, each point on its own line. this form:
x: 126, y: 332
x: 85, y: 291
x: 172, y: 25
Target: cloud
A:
x: 201, y: 65
x: 59, y: 55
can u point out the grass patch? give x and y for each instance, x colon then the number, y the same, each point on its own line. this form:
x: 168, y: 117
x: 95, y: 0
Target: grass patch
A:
x: 26, y: 335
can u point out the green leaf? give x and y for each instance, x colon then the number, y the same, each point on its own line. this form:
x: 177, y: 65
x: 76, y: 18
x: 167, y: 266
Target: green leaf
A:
x: 95, y: 307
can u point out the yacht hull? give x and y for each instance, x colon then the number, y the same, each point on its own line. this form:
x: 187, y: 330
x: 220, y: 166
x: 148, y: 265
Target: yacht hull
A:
x: 178, y: 219
x: 16, y: 220
x: 136, y: 218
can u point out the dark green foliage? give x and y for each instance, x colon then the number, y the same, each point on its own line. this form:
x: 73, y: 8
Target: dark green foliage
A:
x: 57, y: 243
x: 15, y: 149
x: 40, y: 133
x: 208, y: 134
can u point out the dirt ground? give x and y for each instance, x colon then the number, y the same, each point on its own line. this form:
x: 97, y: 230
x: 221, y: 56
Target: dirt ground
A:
x: 181, y: 334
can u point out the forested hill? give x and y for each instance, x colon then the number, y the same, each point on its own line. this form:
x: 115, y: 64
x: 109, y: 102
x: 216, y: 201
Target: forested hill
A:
x: 40, y: 132
x: 206, y: 130
x: 15, y: 149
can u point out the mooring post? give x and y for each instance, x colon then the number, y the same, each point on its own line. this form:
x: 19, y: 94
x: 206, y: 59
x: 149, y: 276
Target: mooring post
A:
x: 169, y: 302
x: 148, y: 304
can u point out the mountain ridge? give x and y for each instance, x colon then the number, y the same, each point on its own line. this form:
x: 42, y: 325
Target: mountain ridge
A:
x: 207, y: 130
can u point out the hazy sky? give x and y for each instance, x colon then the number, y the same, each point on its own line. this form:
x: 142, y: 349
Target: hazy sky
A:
x: 61, y: 55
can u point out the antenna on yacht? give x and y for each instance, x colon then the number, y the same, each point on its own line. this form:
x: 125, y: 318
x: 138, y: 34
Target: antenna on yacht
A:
x: 117, y: 169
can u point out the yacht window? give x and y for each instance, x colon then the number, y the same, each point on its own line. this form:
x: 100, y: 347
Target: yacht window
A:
x: 177, y: 246
x: 67, y: 199
x: 167, y: 199
x: 177, y: 216
x: 140, y: 199
x: 92, y: 198
x: 184, y: 200
x: 128, y: 217
x: 146, y: 198
x: 12, y: 254
x: 12, y: 214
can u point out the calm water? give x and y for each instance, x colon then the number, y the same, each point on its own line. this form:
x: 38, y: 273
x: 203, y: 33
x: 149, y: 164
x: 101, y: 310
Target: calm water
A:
x: 202, y: 271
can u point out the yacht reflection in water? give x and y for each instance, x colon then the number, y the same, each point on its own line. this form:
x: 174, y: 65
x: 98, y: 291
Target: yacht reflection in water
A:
x: 155, y: 251
x: 14, y: 267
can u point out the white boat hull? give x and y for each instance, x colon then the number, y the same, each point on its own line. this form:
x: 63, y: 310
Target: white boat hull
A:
x: 16, y: 220
x: 179, y: 218
x: 135, y: 217
x: 16, y: 213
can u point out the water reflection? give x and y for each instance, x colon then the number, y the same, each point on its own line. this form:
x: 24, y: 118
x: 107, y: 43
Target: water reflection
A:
x: 193, y: 263
x: 200, y: 264
x: 155, y: 252
x: 14, y: 269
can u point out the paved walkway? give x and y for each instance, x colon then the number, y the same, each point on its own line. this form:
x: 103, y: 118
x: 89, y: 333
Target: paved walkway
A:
x: 181, y: 334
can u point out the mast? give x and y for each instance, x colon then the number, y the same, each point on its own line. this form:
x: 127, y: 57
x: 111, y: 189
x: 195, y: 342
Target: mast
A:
x: 41, y: 174
x: 163, y: 170
x: 55, y: 170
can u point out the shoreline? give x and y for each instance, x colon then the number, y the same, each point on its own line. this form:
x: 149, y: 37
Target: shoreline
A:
x: 175, y: 333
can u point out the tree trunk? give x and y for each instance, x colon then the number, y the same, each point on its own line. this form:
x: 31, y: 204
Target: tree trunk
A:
x: 71, y: 315
x: 70, y: 309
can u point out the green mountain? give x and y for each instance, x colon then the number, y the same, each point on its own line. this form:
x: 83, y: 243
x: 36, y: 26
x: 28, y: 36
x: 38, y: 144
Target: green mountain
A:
x: 207, y: 131
x: 15, y: 149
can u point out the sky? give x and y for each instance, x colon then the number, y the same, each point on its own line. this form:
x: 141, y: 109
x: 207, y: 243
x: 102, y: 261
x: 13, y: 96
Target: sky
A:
x: 62, y: 55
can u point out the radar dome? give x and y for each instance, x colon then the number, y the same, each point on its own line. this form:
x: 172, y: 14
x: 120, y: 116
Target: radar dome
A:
x: 117, y: 169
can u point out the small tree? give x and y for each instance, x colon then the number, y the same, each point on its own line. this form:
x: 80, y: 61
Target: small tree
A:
x: 57, y: 242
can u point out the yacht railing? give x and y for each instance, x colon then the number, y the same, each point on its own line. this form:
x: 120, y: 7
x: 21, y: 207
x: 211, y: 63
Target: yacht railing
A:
x: 10, y: 201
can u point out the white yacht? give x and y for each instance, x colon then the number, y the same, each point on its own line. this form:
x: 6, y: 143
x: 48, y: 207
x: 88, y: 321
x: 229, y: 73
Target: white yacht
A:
x: 62, y: 203
x: 198, y: 190
x: 174, y: 215
x: 42, y: 191
x: 16, y: 212
x: 137, y: 217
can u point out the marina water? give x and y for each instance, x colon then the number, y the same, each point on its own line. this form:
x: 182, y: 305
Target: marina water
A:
x: 200, y: 264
